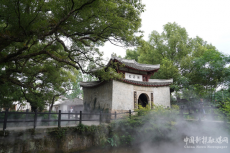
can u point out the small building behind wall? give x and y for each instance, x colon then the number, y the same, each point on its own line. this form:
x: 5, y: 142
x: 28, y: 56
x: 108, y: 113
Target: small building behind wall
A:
x: 136, y: 88
x: 67, y: 105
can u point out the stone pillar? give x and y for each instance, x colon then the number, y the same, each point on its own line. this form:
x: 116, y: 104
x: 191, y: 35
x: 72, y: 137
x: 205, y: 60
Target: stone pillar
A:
x: 152, y: 101
x: 135, y: 100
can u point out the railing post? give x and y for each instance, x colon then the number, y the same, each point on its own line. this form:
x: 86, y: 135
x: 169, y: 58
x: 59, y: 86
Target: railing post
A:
x: 5, y: 119
x: 80, y: 117
x: 181, y: 112
x: 189, y: 112
x: 199, y: 115
x: 59, y: 119
x: 26, y: 117
x: 49, y: 118
x: 35, y: 119
x: 68, y: 116
x: 100, y: 117
x: 129, y: 114
x: 115, y: 115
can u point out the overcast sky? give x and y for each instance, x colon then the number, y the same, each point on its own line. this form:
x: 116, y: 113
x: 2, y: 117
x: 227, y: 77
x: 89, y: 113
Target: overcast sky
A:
x: 208, y: 19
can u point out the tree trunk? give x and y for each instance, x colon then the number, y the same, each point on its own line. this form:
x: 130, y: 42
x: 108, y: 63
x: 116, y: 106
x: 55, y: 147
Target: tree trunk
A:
x: 52, y: 103
x: 51, y: 106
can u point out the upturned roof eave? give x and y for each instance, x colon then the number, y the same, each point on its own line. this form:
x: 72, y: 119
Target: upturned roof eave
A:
x: 143, y: 67
x: 146, y: 84
x: 138, y: 83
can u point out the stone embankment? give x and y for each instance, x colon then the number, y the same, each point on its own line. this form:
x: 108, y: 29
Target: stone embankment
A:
x: 53, y: 140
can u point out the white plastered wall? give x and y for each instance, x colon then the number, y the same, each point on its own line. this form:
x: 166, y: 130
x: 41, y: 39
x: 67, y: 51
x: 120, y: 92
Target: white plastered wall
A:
x: 102, y: 94
x: 123, y: 98
x: 116, y: 95
x: 161, y: 96
x: 123, y: 95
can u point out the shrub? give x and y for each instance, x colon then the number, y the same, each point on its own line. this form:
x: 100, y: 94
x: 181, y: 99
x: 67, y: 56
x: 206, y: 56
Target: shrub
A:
x: 147, y: 125
x: 226, y: 109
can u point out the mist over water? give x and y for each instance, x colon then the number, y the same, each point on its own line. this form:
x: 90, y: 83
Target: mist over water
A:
x: 191, y: 137
x: 186, y: 137
x: 185, y: 131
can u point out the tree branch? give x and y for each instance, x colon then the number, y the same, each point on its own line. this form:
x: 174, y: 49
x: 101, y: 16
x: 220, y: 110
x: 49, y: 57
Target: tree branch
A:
x: 66, y: 17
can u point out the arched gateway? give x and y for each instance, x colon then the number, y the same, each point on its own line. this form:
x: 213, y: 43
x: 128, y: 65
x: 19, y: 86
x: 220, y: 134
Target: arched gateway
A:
x: 143, y: 100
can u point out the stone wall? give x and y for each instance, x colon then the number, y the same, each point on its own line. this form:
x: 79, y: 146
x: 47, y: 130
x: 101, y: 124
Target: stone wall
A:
x: 123, y: 98
x: 99, y: 97
x: 161, y: 96
x: 64, y: 140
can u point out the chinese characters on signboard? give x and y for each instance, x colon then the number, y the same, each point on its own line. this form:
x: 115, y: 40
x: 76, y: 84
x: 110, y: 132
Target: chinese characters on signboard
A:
x: 134, y: 77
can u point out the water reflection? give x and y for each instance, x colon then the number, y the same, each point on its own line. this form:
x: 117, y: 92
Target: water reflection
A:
x: 159, y: 148
x: 112, y: 150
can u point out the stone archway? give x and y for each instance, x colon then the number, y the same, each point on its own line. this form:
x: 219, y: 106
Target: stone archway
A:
x: 143, y: 100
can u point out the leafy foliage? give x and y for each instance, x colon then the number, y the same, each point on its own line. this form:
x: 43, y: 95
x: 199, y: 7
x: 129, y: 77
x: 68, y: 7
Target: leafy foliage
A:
x: 221, y: 96
x: 114, y: 141
x: 209, y: 71
x: 42, y: 42
x: 76, y: 90
x: 226, y: 108
x: 193, y: 64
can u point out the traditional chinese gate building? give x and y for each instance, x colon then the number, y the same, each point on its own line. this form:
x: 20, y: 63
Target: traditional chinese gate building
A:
x: 126, y: 94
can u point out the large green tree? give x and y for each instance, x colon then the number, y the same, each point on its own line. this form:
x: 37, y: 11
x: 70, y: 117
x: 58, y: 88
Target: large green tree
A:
x: 194, y: 65
x: 58, y: 34
x: 208, y: 72
x: 44, y: 84
x: 167, y: 49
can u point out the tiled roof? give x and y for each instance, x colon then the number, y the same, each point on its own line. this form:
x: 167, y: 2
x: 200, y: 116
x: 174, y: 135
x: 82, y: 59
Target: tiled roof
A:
x: 148, y: 84
x: 161, y: 80
x: 133, y: 64
x: 90, y: 84
x: 138, y: 83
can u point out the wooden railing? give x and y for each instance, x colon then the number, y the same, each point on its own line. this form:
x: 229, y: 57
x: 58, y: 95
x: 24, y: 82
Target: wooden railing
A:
x: 76, y: 116
x: 32, y: 117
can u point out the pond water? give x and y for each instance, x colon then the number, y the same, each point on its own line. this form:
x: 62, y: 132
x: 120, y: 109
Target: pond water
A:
x: 162, y: 148
x: 112, y: 150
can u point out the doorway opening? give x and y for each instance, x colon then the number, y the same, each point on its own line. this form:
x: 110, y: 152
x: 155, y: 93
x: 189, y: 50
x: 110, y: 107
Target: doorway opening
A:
x: 143, y: 100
